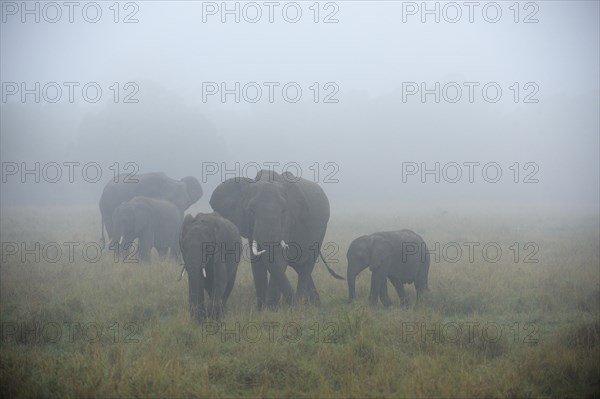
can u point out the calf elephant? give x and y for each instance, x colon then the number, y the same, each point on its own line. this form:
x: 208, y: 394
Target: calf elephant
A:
x: 276, y: 212
x: 400, y: 256
x: 183, y: 193
x: 211, y: 248
x: 156, y: 222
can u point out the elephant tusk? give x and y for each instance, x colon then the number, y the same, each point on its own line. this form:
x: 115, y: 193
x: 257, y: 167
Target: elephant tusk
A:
x: 204, y: 272
x: 255, y: 250
x: 182, y: 271
x: 284, y: 245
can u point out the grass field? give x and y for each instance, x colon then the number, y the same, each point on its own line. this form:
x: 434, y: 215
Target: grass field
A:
x: 510, y: 327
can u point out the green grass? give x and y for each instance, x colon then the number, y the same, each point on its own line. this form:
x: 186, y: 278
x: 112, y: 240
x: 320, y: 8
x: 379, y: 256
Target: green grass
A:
x: 548, y: 313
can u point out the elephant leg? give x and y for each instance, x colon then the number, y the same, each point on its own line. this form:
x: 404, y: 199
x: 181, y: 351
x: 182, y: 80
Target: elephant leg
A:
x: 174, y: 253
x: 378, y: 278
x: 259, y: 273
x: 400, y: 290
x: 230, y: 281
x: 227, y: 292
x: 162, y: 252
x: 196, y: 294
x: 118, y: 246
x: 127, y: 250
x: 313, y: 294
x: 145, y: 244
x: 383, y: 294
x: 306, y: 287
x: 301, y: 287
x: 273, y: 294
x: 114, y: 245
x: 419, y: 296
x: 209, y: 285
x: 219, y: 286
x: 421, y: 288
x: 421, y: 283
x: 277, y: 272
x: 144, y: 249
x: 109, y: 231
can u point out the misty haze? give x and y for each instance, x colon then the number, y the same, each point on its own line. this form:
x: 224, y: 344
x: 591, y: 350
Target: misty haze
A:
x: 300, y: 199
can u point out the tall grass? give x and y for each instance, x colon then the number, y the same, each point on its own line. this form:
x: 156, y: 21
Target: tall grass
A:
x: 125, y: 330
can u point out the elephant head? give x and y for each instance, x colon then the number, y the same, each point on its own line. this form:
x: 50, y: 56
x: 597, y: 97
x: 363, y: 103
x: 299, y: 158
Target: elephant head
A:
x: 262, y: 208
x: 371, y: 251
x: 185, y: 193
x: 227, y: 200
x: 196, y: 234
x: 130, y: 221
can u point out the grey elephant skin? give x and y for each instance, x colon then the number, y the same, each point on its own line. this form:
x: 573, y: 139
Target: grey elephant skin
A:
x: 155, y: 222
x: 183, y: 193
x: 211, y: 248
x: 400, y: 256
x: 274, y: 211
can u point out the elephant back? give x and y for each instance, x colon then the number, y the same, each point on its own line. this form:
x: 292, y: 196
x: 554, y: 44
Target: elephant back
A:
x: 166, y: 218
x: 310, y: 223
x: 411, y: 258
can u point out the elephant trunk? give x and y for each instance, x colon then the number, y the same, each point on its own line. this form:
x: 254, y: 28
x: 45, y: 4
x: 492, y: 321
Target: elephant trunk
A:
x: 102, y: 239
x: 266, y: 238
x: 353, y: 271
x: 351, y: 287
x: 196, y: 293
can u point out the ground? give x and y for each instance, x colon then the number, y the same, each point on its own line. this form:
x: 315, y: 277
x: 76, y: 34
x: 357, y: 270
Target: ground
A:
x: 523, y: 323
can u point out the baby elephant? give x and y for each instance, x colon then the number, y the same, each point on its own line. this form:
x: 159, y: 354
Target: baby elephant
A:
x: 211, y: 247
x: 155, y: 222
x: 400, y: 256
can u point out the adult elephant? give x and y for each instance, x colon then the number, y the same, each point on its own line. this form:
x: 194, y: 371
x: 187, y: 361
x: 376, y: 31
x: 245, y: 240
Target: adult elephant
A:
x: 400, y: 256
x: 183, y: 193
x: 155, y: 222
x: 211, y: 249
x: 285, y: 216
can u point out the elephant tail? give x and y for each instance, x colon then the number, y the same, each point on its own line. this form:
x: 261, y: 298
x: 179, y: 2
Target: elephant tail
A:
x: 102, y: 240
x: 329, y: 269
x: 427, y: 262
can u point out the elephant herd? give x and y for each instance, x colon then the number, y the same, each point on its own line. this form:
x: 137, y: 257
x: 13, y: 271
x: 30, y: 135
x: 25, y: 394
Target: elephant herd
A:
x: 283, y: 217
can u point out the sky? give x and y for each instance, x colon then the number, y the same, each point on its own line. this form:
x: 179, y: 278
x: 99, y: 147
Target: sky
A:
x: 359, y: 125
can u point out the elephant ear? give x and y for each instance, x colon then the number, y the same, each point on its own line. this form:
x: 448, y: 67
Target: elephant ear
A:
x: 185, y: 226
x: 221, y: 233
x: 118, y: 211
x: 179, y: 196
x: 193, y: 188
x: 227, y: 200
x: 297, y: 206
x: 360, y: 245
x: 381, y: 251
x: 187, y: 221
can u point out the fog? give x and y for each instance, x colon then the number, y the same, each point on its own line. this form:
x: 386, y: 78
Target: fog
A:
x: 369, y: 134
